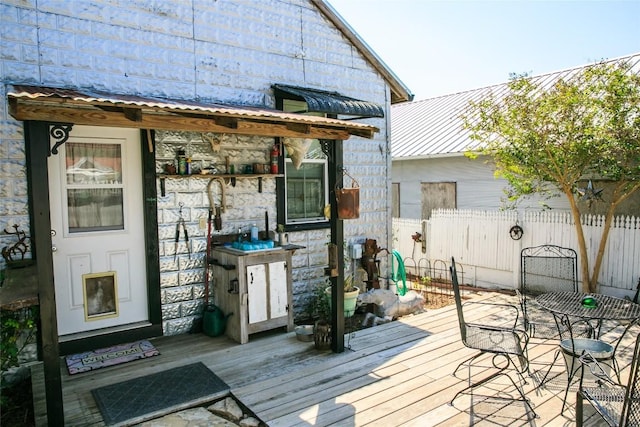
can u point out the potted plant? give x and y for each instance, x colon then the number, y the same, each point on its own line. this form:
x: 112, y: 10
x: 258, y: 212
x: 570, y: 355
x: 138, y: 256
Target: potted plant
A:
x: 350, y: 295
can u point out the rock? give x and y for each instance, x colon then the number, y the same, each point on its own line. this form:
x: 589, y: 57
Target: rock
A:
x: 194, y: 417
x: 227, y: 408
x: 249, y: 422
x: 15, y: 375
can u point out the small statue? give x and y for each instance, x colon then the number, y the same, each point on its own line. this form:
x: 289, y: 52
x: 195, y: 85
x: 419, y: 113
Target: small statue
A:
x: 9, y: 253
x: 370, y: 262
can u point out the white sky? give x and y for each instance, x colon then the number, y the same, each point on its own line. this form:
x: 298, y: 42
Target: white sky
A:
x: 442, y: 47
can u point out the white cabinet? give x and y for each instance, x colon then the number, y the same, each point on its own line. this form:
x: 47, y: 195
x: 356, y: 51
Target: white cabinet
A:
x: 257, y: 290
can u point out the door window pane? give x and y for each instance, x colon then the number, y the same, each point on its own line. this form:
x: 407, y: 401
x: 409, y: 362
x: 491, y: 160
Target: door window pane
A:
x: 94, y: 187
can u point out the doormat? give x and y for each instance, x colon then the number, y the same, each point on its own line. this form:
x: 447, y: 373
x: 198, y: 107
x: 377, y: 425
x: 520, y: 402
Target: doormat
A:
x: 91, y: 360
x: 140, y: 399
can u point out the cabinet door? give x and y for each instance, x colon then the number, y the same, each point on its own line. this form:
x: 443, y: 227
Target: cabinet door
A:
x: 257, y: 290
x: 278, y: 289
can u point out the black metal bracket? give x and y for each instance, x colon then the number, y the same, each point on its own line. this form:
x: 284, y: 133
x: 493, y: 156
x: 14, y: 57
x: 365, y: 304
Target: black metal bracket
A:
x: 59, y: 131
x: 325, y: 145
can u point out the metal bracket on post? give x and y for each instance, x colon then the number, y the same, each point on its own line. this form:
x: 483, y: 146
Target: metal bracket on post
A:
x: 59, y: 131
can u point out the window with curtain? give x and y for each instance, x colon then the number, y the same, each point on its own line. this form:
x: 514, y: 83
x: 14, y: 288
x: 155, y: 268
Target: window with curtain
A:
x: 306, y: 191
x: 306, y: 187
x: 94, y: 187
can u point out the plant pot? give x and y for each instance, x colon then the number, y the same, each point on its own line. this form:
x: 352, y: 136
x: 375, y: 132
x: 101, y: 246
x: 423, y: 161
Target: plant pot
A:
x: 350, y: 299
x: 304, y: 333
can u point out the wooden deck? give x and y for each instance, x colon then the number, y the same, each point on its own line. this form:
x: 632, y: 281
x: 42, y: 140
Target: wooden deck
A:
x: 397, y: 374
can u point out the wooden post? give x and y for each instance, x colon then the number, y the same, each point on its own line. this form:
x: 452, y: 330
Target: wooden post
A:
x: 337, y: 238
x: 37, y: 149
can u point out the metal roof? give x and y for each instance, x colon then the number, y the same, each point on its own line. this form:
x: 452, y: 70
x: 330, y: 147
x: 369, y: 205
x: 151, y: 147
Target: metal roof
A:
x: 434, y: 128
x: 322, y: 101
x: 36, y: 102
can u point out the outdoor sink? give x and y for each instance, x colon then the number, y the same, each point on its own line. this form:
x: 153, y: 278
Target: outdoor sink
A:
x: 252, y: 247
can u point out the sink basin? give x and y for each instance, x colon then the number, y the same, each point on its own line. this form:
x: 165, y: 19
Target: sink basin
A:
x: 252, y: 251
x: 253, y: 245
x: 243, y: 248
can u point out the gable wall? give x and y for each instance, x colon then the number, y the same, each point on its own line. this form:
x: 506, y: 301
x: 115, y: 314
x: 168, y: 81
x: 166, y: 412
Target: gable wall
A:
x: 476, y: 187
x: 212, y: 51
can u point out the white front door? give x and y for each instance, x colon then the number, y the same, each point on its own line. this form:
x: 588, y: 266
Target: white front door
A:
x: 97, y: 216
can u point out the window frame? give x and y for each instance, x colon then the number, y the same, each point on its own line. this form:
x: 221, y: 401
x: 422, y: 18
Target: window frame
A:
x: 307, y: 221
x: 300, y: 107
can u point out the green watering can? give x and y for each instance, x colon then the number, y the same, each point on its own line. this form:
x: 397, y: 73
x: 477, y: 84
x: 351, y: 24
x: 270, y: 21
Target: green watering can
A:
x: 214, y: 321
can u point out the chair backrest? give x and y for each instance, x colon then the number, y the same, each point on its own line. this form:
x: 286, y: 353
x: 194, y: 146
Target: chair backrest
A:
x: 548, y: 268
x: 458, y: 299
x: 631, y: 409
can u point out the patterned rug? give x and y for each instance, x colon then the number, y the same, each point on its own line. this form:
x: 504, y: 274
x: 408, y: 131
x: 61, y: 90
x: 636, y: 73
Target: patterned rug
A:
x: 96, y: 359
x: 155, y: 395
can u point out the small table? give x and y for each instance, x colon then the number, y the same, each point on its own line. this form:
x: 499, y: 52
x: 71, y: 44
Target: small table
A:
x: 569, y: 304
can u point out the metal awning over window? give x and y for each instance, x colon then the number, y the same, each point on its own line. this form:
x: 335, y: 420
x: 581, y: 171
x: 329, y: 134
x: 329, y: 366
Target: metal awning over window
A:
x: 102, y: 109
x: 320, y: 101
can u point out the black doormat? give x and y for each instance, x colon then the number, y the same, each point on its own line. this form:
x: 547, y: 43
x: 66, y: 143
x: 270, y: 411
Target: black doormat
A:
x: 144, y: 398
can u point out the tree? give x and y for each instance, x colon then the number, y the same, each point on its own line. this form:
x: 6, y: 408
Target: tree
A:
x: 546, y: 141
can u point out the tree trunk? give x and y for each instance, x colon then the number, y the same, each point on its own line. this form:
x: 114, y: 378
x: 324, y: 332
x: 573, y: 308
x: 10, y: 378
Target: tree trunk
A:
x: 582, y: 246
x: 618, y: 196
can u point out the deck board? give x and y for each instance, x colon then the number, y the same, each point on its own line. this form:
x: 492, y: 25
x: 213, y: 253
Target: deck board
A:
x: 396, y: 374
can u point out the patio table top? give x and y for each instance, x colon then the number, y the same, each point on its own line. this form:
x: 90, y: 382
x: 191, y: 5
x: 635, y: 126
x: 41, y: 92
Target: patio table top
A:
x: 607, y: 308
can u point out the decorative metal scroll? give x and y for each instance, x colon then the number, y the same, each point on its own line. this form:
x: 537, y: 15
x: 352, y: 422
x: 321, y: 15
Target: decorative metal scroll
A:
x: 325, y: 144
x: 20, y: 248
x: 59, y: 132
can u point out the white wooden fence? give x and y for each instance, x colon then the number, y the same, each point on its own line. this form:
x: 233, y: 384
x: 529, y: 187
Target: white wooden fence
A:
x: 480, y: 241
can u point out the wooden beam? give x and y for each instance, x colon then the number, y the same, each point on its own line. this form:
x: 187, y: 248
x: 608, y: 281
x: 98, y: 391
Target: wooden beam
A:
x: 230, y: 122
x: 299, y: 127
x: 95, y: 117
x: 133, y: 114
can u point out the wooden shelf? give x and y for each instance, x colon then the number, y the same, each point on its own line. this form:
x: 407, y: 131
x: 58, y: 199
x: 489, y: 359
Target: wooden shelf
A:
x: 226, y: 175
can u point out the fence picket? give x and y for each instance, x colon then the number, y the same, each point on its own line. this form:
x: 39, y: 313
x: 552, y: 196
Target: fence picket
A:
x: 481, y: 239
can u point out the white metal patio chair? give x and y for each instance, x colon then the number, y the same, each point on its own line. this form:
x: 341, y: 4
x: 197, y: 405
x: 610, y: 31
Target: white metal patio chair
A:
x: 506, y: 343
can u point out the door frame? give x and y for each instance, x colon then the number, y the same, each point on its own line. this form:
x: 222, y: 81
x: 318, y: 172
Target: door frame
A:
x: 38, y: 140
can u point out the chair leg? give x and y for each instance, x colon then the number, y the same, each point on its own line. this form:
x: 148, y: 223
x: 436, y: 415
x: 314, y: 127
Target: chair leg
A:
x: 501, y: 371
x: 579, y: 408
x: 555, y: 359
x: 466, y: 361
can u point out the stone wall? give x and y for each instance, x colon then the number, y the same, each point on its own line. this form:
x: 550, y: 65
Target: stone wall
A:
x: 220, y: 51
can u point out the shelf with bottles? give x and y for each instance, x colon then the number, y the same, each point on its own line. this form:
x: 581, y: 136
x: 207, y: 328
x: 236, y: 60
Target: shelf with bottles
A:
x: 228, y: 178
x: 222, y: 175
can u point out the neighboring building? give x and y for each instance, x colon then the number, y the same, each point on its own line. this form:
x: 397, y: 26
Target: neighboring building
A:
x: 100, y: 96
x: 430, y: 171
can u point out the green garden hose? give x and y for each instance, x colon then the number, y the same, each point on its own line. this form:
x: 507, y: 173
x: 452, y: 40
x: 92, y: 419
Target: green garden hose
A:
x: 399, y: 271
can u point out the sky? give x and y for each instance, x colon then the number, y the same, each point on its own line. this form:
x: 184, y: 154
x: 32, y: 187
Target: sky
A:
x: 444, y: 47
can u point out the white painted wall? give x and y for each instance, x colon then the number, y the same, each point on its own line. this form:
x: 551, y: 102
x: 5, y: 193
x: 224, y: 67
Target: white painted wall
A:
x: 212, y: 51
x: 476, y: 186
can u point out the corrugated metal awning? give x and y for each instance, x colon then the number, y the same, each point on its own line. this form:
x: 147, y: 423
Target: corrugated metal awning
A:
x: 104, y: 109
x: 320, y: 101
